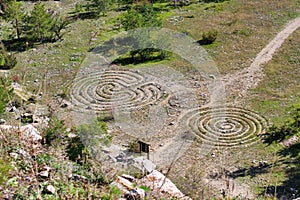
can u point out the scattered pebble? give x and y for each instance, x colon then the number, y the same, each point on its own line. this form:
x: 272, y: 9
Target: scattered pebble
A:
x: 50, y: 189
x: 44, y: 174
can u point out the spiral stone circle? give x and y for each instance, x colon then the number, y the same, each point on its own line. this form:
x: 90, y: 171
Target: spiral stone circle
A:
x: 101, y: 91
x: 225, y: 126
x: 97, y: 89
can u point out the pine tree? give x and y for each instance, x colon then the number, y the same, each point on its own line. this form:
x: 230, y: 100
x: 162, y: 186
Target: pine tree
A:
x: 101, y: 6
x: 39, y: 24
x: 58, y: 24
x: 140, y: 17
x: 14, y: 13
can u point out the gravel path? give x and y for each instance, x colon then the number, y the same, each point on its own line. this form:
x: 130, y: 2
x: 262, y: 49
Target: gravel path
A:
x: 249, y: 77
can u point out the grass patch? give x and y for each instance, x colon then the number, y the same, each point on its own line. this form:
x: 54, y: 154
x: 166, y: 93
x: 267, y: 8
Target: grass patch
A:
x: 280, y: 89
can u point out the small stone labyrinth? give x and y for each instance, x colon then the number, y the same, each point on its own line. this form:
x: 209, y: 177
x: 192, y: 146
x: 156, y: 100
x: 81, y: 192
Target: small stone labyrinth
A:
x: 225, y: 126
x: 101, y: 91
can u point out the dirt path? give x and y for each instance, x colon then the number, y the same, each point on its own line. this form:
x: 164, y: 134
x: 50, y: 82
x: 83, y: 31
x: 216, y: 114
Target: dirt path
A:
x: 249, y: 77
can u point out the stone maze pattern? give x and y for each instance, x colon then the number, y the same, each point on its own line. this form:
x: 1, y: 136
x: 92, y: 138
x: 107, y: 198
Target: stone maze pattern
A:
x: 128, y: 90
x: 225, y: 126
x: 102, y: 91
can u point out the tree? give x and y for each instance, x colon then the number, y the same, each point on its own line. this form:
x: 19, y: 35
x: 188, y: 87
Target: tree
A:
x: 58, y: 24
x: 132, y: 20
x: 39, y: 24
x: 14, y: 13
x: 101, y: 6
x: 140, y: 17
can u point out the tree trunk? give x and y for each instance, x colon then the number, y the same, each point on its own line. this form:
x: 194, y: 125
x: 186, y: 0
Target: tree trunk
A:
x: 17, y: 28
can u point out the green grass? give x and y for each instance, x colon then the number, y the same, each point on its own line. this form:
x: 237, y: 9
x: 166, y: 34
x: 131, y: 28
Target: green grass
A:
x: 280, y: 89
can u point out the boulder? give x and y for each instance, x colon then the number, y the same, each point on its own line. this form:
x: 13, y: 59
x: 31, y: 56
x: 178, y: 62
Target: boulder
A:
x: 2, y: 121
x: 125, y: 182
x: 28, y: 131
x: 158, y: 182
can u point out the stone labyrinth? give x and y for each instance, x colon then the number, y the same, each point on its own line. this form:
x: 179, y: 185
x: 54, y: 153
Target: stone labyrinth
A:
x: 102, y: 91
x: 225, y: 126
x: 123, y: 89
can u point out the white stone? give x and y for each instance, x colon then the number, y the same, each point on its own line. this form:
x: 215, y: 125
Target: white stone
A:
x: 72, y: 135
x: 31, y: 131
x: 28, y: 131
x: 44, y: 174
x: 2, y: 121
x: 14, y: 155
x: 50, y: 189
x: 125, y: 182
x: 157, y: 181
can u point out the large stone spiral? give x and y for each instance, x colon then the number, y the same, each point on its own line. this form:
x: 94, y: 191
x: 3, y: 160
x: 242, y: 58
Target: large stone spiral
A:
x: 101, y: 91
x: 225, y: 126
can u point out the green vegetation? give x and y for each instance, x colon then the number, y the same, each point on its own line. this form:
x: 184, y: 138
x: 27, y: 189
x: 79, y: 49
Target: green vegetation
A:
x: 50, y: 45
x: 100, y: 6
x: 14, y: 14
x: 41, y: 25
x: 141, y: 17
x: 7, y: 60
x: 5, y: 168
x: 208, y: 37
x: 6, y: 94
x: 289, y: 128
x: 38, y: 25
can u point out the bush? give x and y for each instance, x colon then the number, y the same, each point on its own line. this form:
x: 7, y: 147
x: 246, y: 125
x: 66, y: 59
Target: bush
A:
x: 55, y: 132
x: 5, y: 167
x: 208, y: 37
x: 7, y: 60
x: 5, y: 94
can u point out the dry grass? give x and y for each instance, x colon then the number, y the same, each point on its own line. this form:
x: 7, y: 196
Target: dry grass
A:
x: 244, y: 27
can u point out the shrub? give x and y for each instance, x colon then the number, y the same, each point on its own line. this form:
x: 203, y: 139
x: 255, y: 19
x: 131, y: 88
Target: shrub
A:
x: 5, y: 167
x: 7, y: 60
x: 208, y: 37
x: 5, y: 94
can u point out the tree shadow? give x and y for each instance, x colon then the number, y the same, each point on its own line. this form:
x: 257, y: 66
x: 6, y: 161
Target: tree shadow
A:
x: 153, y: 55
x: 277, y: 134
x: 23, y: 44
x: 252, y: 171
x: 126, y: 50
x: 290, y: 188
x: 204, y: 42
x: 120, y: 46
x: 83, y: 16
x: 16, y: 45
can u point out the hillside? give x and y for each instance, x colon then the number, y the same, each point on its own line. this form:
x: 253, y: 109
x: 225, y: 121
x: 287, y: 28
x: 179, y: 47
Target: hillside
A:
x: 213, y: 90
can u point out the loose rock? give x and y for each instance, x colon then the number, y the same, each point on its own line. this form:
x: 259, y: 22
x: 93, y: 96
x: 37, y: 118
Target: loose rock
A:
x: 50, y: 189
x: 2, y: 121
